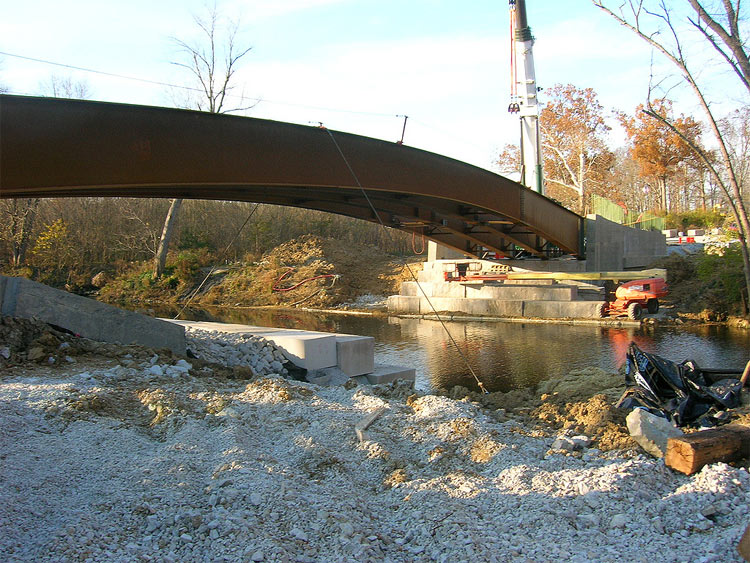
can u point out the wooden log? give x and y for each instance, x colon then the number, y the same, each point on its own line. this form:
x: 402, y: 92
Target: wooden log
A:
x: 744, y: 546
x: 745, y: 374
x: 689, y: 453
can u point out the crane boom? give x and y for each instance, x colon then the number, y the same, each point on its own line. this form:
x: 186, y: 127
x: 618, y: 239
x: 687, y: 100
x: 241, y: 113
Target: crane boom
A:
x: 524, y: 96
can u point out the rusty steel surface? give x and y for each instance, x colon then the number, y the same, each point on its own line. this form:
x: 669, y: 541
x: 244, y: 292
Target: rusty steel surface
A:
x: 61, y: 148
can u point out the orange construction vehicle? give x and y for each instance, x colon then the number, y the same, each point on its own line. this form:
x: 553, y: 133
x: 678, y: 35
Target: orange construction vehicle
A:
x: 633, y: 297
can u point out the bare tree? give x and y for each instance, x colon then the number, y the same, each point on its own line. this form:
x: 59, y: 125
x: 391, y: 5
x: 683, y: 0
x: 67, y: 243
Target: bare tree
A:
x: 719, y: 26
x: 19, y: 222
x: 212, y: 62
x: 736, y: 129
x: 65, y: 87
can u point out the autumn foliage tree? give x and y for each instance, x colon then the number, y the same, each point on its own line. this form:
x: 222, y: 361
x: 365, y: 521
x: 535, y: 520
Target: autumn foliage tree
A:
x: 577, y: 159
x: 659, y: 151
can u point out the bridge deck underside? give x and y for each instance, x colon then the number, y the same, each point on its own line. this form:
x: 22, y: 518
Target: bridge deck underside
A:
x: 60, y: 148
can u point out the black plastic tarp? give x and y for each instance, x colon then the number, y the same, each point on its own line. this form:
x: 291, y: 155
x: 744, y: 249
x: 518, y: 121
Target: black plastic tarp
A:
x: 683, y: 393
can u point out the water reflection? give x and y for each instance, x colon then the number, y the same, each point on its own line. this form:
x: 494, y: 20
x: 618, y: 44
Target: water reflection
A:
x: 503, y: 355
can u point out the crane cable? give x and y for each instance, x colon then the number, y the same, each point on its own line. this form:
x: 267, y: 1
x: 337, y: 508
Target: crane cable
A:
x: 411, y: 272
x: 513, y: 75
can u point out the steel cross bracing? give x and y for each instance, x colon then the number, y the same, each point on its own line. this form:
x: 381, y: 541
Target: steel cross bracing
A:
x: 60, y: 148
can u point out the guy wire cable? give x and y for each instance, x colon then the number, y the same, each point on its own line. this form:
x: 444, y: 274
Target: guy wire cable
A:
x: 411, y: 272
x: 194, y: 293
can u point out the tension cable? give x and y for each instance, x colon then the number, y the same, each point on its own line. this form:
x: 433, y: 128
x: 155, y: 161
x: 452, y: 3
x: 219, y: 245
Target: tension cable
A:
x: 411, y: 272
x: 194, y: 293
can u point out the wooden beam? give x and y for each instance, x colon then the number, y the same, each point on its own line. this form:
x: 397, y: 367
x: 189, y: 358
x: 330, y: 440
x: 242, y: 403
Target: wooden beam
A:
x: 689, y: 453
x: 624, y: 275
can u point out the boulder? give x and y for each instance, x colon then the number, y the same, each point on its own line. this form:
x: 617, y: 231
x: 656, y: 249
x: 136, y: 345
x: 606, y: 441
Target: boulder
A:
x: 651, y: 432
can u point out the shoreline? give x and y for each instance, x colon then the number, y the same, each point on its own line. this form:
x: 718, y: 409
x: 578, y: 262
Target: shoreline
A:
x: 732, y: 322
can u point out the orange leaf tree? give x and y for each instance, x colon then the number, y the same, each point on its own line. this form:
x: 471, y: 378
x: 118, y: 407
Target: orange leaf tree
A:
x: 577, y: 160
x: 659, y: 150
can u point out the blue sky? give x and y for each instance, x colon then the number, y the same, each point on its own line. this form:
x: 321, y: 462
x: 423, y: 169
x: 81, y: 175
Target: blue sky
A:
x: 354, y: 65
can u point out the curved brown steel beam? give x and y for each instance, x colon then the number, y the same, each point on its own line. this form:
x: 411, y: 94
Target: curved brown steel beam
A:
x: 53, y: 147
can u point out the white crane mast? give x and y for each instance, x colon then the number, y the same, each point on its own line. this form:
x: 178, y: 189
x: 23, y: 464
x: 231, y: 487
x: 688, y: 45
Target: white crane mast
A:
x: 524, y: 96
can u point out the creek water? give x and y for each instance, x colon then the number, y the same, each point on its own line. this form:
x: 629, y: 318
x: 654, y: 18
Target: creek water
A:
x: 503, y: 355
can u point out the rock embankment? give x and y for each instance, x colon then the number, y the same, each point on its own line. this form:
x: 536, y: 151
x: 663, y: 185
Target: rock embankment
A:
x: 105, y: 458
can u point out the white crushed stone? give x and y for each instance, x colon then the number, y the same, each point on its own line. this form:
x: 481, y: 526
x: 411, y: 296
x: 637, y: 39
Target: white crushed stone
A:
x: 122, y: 463
x: 230, y: 349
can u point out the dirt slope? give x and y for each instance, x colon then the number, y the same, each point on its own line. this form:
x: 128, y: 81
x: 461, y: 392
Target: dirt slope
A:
x: 313, y: 272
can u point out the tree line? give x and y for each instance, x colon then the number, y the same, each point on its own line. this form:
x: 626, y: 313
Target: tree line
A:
x: 70, y: 239
x: 656, y: 170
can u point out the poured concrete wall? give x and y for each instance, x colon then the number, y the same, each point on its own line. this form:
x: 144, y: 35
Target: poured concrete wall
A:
x: 27, y: 299
x: 610, y: 246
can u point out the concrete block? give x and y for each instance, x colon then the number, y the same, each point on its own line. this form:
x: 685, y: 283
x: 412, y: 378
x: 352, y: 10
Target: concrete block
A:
x: 530, y: 292
x: 425, y: 276
x: 322, y: 354
x: 308, y: 350
x: 696, y: 232
x: 386, y: 374
x: 449, y: 289
x: 432, y: 289
x: 506, y: 308
x: 561, y: 309
x: 403, y: 304
x: 411, y: 289
x: 650, y: 431
x: 442, y: 304
x: 327, y: 377
x: 305, y: 349
x: 492, y: 307
x: 89, y: 318
x: 669, y: 233
x: 355, y: 354
x: 437, y: 251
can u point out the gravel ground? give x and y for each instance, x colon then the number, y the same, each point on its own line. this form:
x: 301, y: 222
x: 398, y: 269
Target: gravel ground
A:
x: 123, y: 454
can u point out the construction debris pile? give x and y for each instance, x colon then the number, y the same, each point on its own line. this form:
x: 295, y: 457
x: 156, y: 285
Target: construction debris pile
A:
x: 310, y: 271
x: 107, y: 459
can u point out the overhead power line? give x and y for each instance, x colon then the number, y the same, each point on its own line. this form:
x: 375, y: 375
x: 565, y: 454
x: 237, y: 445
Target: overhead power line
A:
x: 191, y: 88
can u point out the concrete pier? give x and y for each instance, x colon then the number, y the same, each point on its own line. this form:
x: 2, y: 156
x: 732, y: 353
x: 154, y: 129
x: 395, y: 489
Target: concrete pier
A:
x: 512, y: 298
